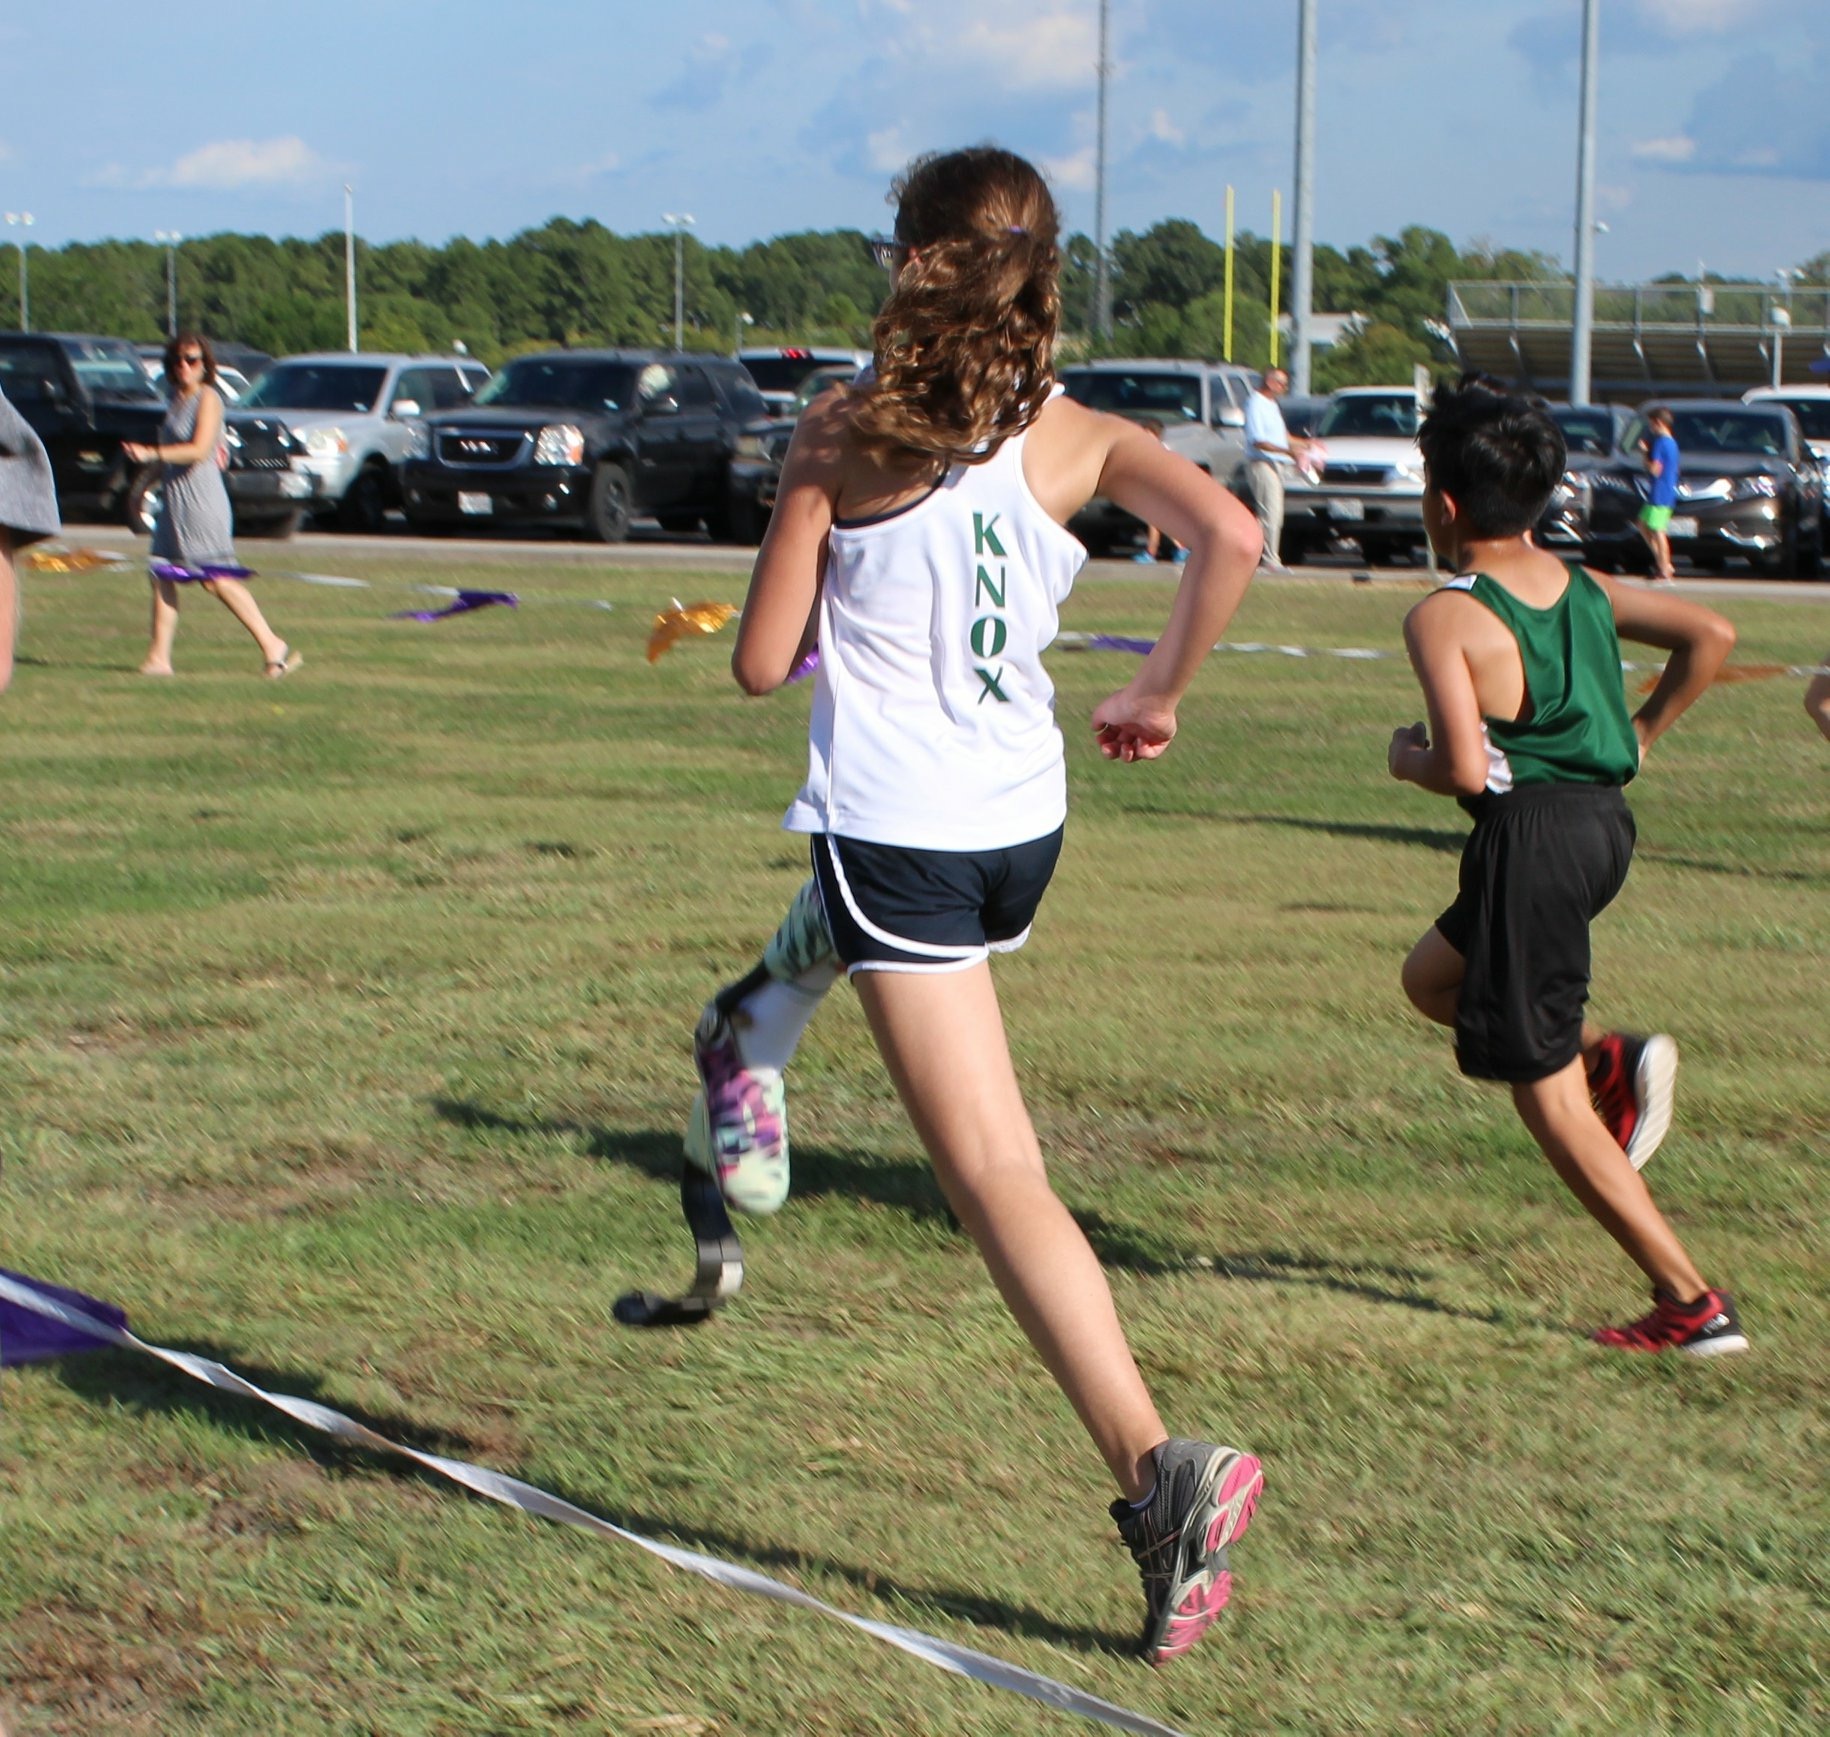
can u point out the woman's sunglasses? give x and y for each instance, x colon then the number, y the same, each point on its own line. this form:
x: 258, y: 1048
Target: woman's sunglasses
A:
x: 191, y: 361
x: 886, y: 250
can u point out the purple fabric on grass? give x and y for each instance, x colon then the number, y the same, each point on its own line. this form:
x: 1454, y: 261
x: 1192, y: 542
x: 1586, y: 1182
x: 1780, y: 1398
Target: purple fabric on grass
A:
x: 466, y: 601
x: 196, y: 575
x: 26, y: 1337
x: 1117, y: 642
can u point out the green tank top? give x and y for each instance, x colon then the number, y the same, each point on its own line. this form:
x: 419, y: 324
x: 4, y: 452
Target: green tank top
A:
x: 1578, y: 730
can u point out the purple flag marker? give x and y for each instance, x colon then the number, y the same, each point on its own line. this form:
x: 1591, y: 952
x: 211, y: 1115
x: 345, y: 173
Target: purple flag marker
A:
x: 28, y: 1337
x: 180, y: 575
x: 1118, y: 642
x: 466, y: 601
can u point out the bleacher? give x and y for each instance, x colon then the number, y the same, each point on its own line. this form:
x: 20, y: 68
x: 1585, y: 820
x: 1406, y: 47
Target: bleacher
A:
x: 1648, y: 340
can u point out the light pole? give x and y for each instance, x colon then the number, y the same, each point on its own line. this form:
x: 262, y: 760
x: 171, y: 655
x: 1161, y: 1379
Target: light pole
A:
x: 681, y: 221
x: 22, y: 220
x: 1102, y: 269
x: 737, y: 335
x: 349, y: 260
x: 1782, y: 321
x: 1302, y: 262
x: 1582, y: 331
x: 169, y: 240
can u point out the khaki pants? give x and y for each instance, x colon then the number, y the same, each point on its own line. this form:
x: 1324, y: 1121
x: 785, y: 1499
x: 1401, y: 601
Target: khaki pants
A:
x: 1267, y: 480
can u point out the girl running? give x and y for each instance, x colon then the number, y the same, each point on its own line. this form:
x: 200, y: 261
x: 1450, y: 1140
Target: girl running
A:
x: 919, y: 537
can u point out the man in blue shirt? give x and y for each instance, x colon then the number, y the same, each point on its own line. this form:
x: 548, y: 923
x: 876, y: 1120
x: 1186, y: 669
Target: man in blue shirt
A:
x: 1655, y: 515
x: 1270, y: 454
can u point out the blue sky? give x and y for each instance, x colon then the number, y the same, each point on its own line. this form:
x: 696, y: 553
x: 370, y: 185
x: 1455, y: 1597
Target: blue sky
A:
x: 764, y: 116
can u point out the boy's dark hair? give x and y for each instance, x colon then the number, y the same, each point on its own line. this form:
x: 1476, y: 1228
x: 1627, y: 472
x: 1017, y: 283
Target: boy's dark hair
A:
x: 1661, y: 414
x: 1499, y: 453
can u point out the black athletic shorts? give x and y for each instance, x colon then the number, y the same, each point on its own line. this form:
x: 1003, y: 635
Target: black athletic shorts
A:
x: 891, y: 908
x: 1542, y: 861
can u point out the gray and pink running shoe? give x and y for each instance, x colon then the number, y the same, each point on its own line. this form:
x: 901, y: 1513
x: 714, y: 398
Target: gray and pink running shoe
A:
x: 738, y: 1130
x: 1203, y: 1500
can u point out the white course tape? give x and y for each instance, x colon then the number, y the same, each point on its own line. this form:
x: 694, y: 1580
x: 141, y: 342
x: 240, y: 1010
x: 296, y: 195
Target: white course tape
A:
x: 512, y: 1492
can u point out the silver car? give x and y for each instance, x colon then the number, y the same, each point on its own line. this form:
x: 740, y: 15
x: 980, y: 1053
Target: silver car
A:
x: 359, y: 416
x: 1199, y: 406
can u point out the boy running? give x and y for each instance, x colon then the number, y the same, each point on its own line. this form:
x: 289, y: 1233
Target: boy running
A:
x: 1519, y: 660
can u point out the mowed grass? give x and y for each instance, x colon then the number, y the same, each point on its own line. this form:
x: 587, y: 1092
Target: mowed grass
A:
x: 343, y: 1038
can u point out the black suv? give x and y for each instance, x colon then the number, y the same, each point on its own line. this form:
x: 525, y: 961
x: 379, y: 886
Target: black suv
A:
x: 83, y: 396
x: 589, y: 440
x: 1748, y: 486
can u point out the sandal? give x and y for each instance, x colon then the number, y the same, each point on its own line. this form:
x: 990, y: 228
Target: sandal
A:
x: 284, y: 664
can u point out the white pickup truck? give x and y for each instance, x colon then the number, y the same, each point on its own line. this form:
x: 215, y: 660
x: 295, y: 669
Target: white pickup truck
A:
x: 1370, y: 485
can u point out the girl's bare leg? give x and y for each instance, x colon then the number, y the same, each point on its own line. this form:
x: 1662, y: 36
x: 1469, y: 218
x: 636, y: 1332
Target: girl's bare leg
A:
x: 9, y: 607
x: 158, y: 659
x: 942, y: 1037
x: 240, y: 603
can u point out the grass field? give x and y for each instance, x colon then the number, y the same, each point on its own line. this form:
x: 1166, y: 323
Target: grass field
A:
x: 343, y: 1039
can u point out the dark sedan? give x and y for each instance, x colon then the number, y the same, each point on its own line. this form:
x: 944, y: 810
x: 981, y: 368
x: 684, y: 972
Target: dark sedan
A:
x: 1598, y: 437
x: 1748, y: 488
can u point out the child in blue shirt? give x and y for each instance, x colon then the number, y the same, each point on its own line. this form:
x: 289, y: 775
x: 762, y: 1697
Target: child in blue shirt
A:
x: 1655, y: 515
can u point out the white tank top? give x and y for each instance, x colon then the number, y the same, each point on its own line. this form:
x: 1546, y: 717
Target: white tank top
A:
x: 933, y: 720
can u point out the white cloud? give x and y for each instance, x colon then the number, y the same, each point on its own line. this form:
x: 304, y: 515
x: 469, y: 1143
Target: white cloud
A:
x: 1700, y: 17
x: 886, y: 152
x: 229, y: 164
x: 1163, y: 128
x: 1075, y: 172
x: 1677, y: 148
x: 1039, y: 45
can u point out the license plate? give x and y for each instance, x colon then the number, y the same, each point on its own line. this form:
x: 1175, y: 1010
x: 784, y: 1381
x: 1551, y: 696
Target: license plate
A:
x: 469, y: 503
x: 1681, y: 527
x: 1344, y: 509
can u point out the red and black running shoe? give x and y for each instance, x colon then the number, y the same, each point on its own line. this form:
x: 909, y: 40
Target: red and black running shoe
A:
x: 1705, y: 1328
x: 1631, y: 1081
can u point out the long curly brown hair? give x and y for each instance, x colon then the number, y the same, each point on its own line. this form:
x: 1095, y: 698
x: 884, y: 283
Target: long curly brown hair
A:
x: 965, y: 342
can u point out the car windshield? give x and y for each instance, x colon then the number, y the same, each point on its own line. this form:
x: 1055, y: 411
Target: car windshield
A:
x: 820, y: 380
x: 1388, y: 418
x: 1728, y: 431
x: 782, y: 373
x: 559, y: 382
x: 109, y: 368
x: 1172, y: 397
x: 1587, y: 431
x: 317, y: 386
x: 1813, y: 415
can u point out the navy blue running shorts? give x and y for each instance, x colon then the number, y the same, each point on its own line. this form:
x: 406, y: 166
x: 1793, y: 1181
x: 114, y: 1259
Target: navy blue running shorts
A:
x: 893, y: 908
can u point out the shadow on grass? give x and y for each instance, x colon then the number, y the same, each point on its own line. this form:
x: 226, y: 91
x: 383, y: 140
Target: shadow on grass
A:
x: 1425, y: 837
x: 143, y: 1385
x: 911, y: 1188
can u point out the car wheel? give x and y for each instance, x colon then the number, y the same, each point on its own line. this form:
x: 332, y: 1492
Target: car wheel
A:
x: 607, y: 517
x: 280, y: 525
x: 364, y: 507
x: 141, y: 511
x: 1811, y: 554
x: 745, y: 521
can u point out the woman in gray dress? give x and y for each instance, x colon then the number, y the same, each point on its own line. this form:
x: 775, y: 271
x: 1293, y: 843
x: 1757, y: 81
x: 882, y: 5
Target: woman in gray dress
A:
x: 28, y: 512
x: 194, y: 520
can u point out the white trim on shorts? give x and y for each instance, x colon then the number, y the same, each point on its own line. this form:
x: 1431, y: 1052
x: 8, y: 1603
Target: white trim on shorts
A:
x: 945, y: 958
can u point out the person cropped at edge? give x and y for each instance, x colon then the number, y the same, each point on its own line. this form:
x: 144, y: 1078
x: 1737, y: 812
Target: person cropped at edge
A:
x: 28, y: 513
x: 920, y: 536
x: 193, y: 529
x: 1270, y: 454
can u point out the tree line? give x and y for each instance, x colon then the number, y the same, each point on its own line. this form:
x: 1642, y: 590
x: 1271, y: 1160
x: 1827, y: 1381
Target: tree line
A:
x: 579, y: 284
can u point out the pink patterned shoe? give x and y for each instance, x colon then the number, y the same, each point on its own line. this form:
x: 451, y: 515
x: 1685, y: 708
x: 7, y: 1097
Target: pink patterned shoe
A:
x: 739, y: 1126
x: 1203, y: 1500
